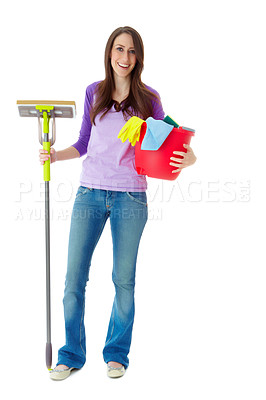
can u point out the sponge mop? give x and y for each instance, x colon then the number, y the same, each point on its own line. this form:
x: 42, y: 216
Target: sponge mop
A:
x: 45, y: 110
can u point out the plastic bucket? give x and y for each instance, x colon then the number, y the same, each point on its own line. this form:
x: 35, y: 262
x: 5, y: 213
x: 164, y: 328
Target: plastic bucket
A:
x: 155, y: 164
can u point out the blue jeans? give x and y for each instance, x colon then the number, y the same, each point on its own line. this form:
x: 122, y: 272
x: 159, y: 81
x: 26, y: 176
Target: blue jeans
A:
x: 128, y: 214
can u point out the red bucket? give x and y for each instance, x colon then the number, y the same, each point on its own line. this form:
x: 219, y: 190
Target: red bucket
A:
x: 155, y: 163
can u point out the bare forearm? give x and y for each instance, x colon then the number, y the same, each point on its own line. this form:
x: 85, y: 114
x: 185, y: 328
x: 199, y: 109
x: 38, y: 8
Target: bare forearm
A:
x: 67, y: 154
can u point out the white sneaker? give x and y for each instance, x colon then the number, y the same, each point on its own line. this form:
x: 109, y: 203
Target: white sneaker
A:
x: 113, y: 372
x: 60, y: 374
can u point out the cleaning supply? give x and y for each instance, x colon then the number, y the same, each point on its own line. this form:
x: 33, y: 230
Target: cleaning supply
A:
x: 155, y: 141
x: 170, y: 121
x: 131, y: 130
x: 46, y: 110
x: 155, y: 164
x: 156, y: 133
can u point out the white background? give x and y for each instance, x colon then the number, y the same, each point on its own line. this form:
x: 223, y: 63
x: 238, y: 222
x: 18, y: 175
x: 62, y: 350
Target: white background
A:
x: 200, y: 328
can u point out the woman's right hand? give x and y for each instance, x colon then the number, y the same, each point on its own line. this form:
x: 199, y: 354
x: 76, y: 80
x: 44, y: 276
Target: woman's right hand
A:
x: 44, y: 156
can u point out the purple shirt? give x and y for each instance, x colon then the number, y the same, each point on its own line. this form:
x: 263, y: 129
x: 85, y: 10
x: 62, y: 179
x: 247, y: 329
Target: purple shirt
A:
x: 109, y: 164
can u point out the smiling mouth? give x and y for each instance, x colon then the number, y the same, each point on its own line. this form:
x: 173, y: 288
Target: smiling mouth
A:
x: 124, y: 66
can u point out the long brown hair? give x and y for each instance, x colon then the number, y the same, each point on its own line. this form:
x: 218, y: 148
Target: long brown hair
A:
x: 139, y: 98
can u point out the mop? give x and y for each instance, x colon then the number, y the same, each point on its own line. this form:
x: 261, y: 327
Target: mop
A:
x: 46, y: 110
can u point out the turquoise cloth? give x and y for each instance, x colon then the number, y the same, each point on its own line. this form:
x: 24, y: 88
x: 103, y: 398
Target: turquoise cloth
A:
x: 156, y: 133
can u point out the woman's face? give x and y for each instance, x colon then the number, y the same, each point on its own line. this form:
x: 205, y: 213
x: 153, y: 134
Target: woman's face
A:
x: 123, y: 58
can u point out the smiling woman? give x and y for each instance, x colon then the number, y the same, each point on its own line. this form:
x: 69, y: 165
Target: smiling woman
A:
x: 124, y: 61
x: 123, y: 58
x: 110, y: 188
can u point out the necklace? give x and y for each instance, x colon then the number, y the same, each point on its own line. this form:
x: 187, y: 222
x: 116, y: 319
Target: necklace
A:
x: 118, y: 106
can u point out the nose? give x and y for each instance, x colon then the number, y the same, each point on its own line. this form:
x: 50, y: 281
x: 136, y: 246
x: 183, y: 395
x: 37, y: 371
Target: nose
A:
x: 125, y: 57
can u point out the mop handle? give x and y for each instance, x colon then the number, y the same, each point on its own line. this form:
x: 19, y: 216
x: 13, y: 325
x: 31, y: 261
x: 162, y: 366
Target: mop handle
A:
x: 46, y: 142
x: 46, y: 146
x: 46, y: 176
x: 46, y: 166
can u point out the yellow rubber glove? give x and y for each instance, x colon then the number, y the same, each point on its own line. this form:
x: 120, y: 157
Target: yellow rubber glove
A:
x: 131, y: 130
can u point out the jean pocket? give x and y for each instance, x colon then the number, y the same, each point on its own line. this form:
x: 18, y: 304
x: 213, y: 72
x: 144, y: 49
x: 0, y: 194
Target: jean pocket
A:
x: 138, y: 197
x: 82, y: 190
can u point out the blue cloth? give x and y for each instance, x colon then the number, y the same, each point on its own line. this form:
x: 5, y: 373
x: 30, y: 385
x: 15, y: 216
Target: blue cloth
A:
x: 156, y: 133
x: 128, y: 214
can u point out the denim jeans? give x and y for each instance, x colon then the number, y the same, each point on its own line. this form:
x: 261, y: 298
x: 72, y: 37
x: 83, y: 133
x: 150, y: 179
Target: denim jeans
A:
x: 128, y: 215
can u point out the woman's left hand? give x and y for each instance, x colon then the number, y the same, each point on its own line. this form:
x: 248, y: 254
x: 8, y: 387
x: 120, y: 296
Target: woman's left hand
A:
x: 188, y: 159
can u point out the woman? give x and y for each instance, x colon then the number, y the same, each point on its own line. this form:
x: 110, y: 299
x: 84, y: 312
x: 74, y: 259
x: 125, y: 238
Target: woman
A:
x: 109, y: 188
